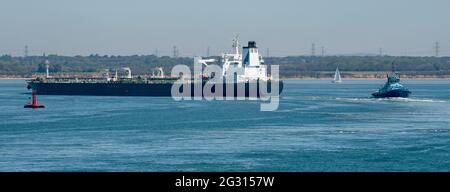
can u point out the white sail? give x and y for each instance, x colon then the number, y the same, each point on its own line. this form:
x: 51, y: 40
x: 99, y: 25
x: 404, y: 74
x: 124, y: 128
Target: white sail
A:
x: 337, y: 76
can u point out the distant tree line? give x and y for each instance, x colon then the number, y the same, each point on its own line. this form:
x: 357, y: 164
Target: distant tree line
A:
x: 313, y: 66
x: 289, y: 66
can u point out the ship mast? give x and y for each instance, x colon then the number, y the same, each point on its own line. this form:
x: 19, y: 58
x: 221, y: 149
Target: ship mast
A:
x: 236, y: 45
x: 47, y: 66
x: 393, y: 67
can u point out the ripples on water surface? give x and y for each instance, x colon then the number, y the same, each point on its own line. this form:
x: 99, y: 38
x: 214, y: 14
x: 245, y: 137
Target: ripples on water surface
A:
x: 319, y: 127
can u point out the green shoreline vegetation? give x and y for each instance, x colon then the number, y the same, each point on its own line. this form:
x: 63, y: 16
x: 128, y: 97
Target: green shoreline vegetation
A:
x: 294, y: 67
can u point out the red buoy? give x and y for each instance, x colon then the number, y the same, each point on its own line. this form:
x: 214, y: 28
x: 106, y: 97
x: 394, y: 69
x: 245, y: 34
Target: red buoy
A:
x: 34, y: 104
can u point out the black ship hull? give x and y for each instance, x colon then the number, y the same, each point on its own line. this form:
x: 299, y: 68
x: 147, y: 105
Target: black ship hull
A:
x: 137, y: 89
x: 392, y: 93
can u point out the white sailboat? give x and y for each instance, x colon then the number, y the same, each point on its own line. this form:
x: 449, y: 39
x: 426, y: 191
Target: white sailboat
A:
x: 337, y: 76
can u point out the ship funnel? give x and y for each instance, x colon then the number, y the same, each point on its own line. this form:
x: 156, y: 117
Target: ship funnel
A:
x: 251, y: 44
x: 250, y: 55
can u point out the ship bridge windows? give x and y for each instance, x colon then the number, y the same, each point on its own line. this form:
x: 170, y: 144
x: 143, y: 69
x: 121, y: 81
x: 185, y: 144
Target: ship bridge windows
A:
x: 253, y: 50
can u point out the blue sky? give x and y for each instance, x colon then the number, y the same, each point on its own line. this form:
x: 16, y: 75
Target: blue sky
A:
x: 286, y: 27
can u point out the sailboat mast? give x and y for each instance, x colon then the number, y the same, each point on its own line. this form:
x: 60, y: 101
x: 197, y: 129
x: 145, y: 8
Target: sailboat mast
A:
x: 337, y: 76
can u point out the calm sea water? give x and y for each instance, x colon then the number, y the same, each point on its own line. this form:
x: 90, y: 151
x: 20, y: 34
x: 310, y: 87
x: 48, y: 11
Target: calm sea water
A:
x: 319, y: 127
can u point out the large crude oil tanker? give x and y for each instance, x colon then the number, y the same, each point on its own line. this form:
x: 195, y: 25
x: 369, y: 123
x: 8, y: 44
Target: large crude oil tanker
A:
x: 252, y: 81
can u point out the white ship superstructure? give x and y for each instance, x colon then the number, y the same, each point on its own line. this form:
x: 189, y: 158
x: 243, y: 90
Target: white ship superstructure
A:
x: 247, y: 65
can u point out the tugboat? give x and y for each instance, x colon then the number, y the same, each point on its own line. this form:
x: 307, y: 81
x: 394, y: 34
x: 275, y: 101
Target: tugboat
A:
x: 392, y: 88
